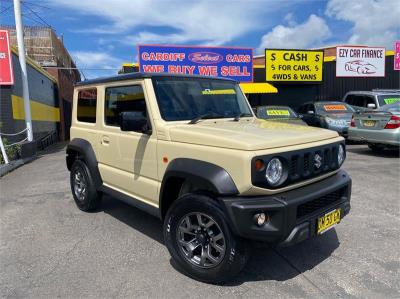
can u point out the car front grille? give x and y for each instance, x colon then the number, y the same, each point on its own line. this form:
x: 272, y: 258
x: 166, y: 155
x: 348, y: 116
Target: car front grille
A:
x: 320, y: 203
x: 301, y: 165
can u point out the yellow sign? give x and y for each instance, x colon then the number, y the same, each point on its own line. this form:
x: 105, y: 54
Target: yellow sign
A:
x: 279, y: 112
x: 293, y: 65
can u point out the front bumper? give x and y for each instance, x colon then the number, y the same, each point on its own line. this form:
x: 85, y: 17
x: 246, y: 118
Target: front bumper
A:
x: 292, y: 215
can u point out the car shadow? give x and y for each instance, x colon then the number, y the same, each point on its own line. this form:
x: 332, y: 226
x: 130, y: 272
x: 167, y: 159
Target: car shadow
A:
x: 265, y: 263
x: 365, y: 150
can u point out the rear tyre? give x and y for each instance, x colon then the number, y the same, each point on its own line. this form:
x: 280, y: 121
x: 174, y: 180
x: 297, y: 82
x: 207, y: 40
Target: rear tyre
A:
x: 83, y: 188
x: 376, y: 148
x: 200, y: 241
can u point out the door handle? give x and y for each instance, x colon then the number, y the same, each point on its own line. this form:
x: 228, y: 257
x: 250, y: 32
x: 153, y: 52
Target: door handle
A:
x: 105, y: 140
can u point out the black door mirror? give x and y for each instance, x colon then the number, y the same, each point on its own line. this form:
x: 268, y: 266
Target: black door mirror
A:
x: 134, y: 121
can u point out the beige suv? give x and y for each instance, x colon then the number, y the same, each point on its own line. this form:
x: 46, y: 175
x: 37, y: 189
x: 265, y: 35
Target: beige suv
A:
x: 190, y: 151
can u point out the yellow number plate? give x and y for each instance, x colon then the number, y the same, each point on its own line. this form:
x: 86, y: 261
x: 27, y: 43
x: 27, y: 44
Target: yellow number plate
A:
x: 369, y: 123
x: 328, y: 221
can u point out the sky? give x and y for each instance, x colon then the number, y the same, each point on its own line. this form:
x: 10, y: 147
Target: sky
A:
x: 102, y: 34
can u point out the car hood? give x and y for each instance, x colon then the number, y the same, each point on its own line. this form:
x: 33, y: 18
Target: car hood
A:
x: 247, y: 134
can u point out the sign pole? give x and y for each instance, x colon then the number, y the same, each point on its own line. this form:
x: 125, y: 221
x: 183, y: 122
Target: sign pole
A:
x: 21, y: 54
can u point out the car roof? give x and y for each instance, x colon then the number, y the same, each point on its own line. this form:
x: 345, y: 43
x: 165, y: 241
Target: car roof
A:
x: 139, y: 75
x: 373, y: 92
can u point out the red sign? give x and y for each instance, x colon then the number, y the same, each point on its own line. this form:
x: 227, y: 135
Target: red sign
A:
x: 6, y: 68
x: 397, y: 56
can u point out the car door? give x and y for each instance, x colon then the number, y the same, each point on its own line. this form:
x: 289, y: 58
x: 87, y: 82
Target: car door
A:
x: 127, y: 160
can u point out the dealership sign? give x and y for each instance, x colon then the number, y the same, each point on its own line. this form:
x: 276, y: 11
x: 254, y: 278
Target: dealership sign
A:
x: 234, y: 63
x: 397, y: 56
x: 360, y: 62
x: 6, y: 68
x: 293, y: 65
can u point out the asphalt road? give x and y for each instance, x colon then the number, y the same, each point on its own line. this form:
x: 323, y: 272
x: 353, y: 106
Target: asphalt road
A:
x: 48, y: 248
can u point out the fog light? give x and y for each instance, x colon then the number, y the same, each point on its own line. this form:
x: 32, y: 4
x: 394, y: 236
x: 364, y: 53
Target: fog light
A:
x: 260, y: 218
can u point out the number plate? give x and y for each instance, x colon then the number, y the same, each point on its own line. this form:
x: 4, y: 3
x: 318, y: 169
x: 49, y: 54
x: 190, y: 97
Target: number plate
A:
x: 328, y: 221
x: 369, y: 123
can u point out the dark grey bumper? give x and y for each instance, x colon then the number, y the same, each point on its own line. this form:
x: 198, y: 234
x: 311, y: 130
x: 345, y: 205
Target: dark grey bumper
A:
x: 293, y: 214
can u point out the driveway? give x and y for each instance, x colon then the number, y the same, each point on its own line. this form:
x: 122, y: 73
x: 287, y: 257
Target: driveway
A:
x: 49, y: 248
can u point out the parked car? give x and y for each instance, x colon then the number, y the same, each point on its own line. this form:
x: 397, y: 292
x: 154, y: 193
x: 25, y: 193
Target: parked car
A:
x: 330, y: 115
x: 283, y: 114
x: 379, y: 128
x: 189, y: 150
x: 365, y: 100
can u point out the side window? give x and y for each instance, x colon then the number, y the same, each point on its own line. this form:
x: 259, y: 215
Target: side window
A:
x: 349, y: 99
x: 122, y: 99
x: 86, y: 106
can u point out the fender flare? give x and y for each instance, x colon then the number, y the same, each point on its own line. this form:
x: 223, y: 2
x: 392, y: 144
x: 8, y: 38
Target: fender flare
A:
x: 84, y: 149
x: 214, y: 176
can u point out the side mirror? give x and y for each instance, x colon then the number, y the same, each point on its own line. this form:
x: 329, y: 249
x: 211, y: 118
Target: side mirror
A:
x: 134, y: 121
x: 310, y: 112
x: 371, y: 106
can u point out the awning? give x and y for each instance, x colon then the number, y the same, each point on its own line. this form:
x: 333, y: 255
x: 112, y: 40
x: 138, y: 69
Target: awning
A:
x: 258, y: 88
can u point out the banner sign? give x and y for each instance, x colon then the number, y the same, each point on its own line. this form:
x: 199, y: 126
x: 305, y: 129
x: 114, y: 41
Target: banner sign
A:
x: 293, y: 65
x: 234, y: 63
x: 360, y: 61
x: 397, y: 56
x: 6, y: 67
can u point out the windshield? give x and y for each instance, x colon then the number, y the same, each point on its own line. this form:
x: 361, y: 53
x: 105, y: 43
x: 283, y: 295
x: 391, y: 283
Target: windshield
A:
x: 395, y: 107
x: 388, y: 99
x: 333, y: 108
x: 275, y: 112
x: 187, y: 98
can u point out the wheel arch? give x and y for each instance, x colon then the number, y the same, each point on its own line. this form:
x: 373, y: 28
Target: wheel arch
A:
x: 216, y: 180
x: 82, y: 149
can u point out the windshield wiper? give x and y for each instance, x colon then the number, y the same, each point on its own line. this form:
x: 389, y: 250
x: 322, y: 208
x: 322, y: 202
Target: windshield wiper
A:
x: 242, y: 114
x: 204, y: 116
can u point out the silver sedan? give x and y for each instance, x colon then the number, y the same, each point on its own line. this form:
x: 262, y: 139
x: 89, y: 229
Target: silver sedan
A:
x: 379, y: 128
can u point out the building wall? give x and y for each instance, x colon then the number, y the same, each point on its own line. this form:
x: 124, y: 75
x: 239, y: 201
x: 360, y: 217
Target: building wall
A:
x: 44, y: 103
x: 332, y: 88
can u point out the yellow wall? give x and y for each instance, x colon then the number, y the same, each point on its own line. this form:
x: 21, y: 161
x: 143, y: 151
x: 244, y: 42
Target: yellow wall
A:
x: 39, y: 111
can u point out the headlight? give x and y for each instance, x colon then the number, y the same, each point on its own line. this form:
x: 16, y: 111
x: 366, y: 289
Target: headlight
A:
x: 274, y: 172
x: 341, y: 154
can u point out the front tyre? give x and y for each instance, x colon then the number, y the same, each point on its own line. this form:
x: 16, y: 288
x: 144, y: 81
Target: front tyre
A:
x: 82, y: 186
x: 200, y: 241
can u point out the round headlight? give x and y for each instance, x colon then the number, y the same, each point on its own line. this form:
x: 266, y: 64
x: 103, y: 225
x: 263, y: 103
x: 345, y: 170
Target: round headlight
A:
x: 274, y: 171
x: 341, y: 154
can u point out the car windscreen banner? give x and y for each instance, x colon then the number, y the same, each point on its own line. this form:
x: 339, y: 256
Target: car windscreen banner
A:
x: 300, y: 66
x: 335, y: 108
x: 360, y: 61
x: 6, y: 67
x: 233, y: 63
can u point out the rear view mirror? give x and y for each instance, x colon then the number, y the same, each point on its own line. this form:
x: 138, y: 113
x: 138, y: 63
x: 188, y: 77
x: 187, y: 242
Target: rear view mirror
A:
x: 371, y: 106
x: 134, y: 121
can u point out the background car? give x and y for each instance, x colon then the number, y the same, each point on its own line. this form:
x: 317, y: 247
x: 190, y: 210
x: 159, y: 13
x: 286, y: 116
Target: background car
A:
x: 279, y: 113
x: 379, y: 128
x: 331, y: 115
x: 364, y: 100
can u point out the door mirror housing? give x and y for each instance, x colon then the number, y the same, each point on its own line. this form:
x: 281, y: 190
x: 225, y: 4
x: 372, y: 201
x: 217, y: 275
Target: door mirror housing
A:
x: 134, y: 121
x: 371, y: 106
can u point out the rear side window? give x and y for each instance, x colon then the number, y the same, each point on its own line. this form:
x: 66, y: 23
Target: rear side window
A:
x: 122, y: 99
x: 86, y: 108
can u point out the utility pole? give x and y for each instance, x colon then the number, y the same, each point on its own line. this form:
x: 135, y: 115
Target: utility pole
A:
x: 22, y: 62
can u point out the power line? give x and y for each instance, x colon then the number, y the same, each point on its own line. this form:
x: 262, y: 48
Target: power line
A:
x: 36, y: 14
